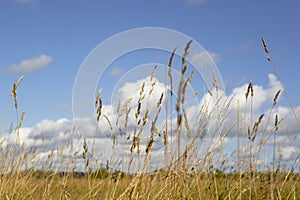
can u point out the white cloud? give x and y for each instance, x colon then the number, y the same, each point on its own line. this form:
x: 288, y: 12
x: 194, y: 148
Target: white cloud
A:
x: 115, y: 72
x: 31, y: 64
x: 132, y: 90
x: 288, y: 124
x: 261, y: 95
x: 49, y: 135
x: 289, y: 152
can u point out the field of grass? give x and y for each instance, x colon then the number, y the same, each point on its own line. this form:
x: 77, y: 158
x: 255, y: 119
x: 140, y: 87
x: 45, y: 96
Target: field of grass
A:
x: 179, y: 179
x: 159, y: 185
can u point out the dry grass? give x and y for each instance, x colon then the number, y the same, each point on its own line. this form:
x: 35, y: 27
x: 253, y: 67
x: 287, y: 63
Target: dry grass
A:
x: 205, y: 178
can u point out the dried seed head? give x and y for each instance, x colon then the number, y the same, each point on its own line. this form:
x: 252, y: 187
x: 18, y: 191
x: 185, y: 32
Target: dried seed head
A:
x: 107, y: 164
x: 177, y: 106
x: 108, y: 121
x: 269, y: 58
x: 186, y: 51
x: 171, y: 58
x: 142, y: 90
x: 16, y: 85
x: 138, y: 145
x: 249, y: 89
x: 185, y: 154
x: 19, y: 80
x: 160, y: 99
x: 99, y: 109
x: 120, y: 132
x: 15, y: 100
x: 249, y: 132
x: 265, y: 45
x: 127, y: 117
x: 98, y: 97
x: 98, y: 104
x: 152, y: 88
x: 276, y: 97
x: 215, y: 83
x: 134, y: 140
x: 149, y: 145
x: 260, y: 118
x: 138, y: 111
x: 188, y: 81
x: 183, y: 70
x: 170, y: 71
x: 153, y: 126
x: 21, y: 120
x: 255, y: 127
x: 153, y: 72
x: 165, y: 137
x: 115, y: 140
x: 14, y: 90
x: 252, y: 90
x: 85, y: 153
x: 179, y: 120
x: 85, y: 147
x: 145, y: 116
x: 253, y: 137
x: 210, y: 93
x: 186, y: 123
x: 276, y: 122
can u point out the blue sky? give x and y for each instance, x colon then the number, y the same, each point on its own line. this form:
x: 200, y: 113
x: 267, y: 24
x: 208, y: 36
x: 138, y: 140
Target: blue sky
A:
x: 54, y: 37
x: 67, y: 31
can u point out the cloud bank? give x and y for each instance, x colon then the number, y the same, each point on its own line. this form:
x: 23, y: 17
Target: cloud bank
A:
x: 203, y: 128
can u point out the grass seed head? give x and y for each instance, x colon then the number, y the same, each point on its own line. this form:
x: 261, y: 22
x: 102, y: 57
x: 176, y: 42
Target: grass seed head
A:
x: 14, y: 90
x: 276, y: 97
x: 170, y: 71
x: 160, y: 99
x: 210, y: 93
x: 153, y: 72
x: 265, y: 45
x: 186, y: 51
x: 249, y: 89
x: 21, y: 120
x: 276, y: 122
x: 215, y: 83
x: 249, y: 132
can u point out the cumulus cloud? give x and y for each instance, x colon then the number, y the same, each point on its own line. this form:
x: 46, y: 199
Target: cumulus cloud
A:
x: 261, y: 96
x: 132, y: 90
x: 31, y: 64
x: 201, y: 126
x: 289, y: 152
